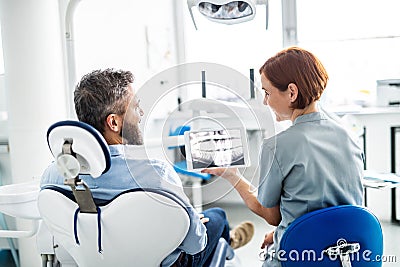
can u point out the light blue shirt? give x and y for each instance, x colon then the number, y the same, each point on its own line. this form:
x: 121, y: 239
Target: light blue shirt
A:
x: 128, y: 173
x: 312, y: 165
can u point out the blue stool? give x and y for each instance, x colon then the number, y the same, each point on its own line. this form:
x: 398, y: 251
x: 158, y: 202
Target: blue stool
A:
x: 344, y: 236
x: 189, y: 177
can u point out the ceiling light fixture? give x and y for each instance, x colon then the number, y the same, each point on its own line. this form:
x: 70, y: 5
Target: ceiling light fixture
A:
x: 227, y: 11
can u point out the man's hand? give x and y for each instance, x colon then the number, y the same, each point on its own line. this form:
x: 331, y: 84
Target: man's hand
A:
x: 203, y: 219
x: 268, y: 239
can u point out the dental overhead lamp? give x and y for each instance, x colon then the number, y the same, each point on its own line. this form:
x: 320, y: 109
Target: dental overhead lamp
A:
x: 227, y: 11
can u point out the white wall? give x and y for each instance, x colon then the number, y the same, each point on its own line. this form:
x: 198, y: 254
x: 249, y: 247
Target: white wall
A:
x: 34, y: 80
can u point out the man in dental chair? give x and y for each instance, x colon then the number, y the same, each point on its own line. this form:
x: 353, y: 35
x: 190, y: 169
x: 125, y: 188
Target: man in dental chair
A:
x: 106, y: 100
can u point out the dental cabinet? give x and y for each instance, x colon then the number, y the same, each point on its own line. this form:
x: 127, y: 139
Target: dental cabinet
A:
x: 379, y: 123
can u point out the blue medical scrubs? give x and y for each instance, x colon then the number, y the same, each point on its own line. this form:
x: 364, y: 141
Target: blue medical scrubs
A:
x: 312, y: 165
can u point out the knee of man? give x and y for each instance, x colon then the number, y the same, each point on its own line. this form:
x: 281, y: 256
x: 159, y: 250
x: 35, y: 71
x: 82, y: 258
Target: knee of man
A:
x: 218, y: 211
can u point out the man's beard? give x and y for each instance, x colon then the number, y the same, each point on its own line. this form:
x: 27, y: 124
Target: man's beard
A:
x: 131, y: 134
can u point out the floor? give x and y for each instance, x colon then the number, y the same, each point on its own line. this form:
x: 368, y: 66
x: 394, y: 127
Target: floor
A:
x: 6, y: 259
x: 248, y: 255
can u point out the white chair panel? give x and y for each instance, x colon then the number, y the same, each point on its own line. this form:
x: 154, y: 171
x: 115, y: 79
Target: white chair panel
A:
x: 136, y: 227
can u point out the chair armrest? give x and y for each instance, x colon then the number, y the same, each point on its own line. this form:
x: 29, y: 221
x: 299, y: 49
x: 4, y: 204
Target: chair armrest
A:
x: 21, y: 233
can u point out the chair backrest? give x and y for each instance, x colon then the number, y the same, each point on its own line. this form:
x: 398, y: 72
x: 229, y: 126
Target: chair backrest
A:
x: 138, y: 228
x: 316, y: 238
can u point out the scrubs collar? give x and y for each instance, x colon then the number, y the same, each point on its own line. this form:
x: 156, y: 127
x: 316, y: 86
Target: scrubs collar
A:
x: 315, y: 116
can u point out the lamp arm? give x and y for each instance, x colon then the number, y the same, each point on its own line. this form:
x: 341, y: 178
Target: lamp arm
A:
x: 266, y: 13
x: 191, y: 14
x: 70, y: 49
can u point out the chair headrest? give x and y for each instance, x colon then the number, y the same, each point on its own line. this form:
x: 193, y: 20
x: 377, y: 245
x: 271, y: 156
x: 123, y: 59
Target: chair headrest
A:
x: 88, y: 145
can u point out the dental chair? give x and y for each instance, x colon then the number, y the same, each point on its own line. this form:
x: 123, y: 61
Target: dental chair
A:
x: 331, y: 237
x: 139, y: 227
x: 194, y: 179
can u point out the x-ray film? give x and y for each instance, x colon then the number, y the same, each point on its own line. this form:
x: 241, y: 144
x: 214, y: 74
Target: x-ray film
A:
x: 216, y: 148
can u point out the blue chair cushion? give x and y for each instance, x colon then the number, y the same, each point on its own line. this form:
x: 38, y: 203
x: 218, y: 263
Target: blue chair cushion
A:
x: 180, y: 130
x: 304, y: 241
x: 181, y: 168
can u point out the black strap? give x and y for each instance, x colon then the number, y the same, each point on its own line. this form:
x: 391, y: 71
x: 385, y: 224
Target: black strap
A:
x: 77, y: 211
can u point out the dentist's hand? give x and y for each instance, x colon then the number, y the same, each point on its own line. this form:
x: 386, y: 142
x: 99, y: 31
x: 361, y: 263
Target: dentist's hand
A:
x: 227, y: 173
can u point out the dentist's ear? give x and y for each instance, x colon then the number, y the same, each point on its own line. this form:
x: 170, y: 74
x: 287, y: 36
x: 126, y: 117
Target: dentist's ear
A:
x: 293, y: 91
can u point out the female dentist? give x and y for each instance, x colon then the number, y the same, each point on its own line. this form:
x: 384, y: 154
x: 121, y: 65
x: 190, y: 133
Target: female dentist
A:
x: 313, y: 164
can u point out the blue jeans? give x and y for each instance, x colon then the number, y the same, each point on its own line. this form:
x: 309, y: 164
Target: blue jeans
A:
x: 217, y: 227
